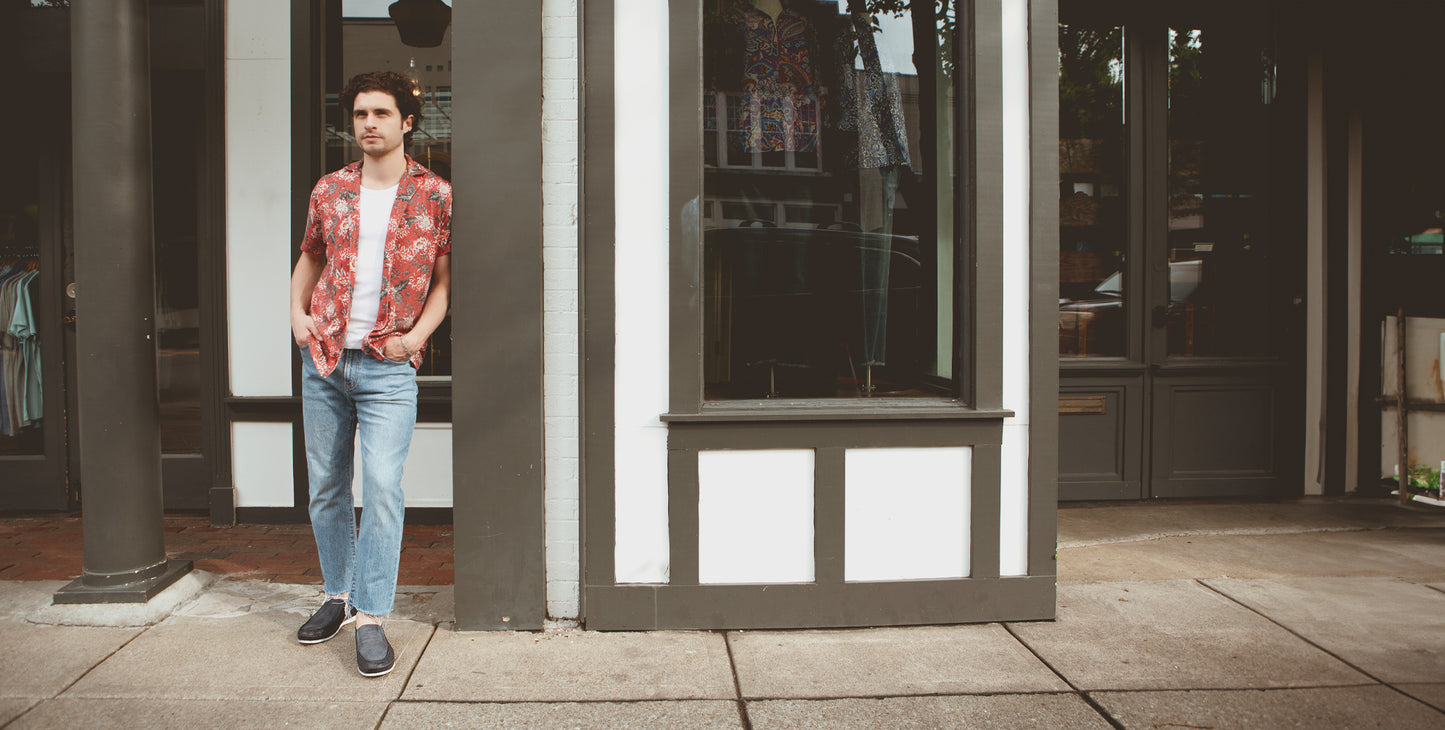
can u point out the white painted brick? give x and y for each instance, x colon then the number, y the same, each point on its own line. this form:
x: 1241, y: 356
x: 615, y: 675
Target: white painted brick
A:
x: 561, y: 89
x: 560, y: 258
x: 560, y: 194
x: 559, y: 68
x: 556, y: 424
x: 559, y: 8
x: 559, y: 47
x: 559, y: 26
x: 559, y: 150
x: 562, y: 364
x: 563, y: 509
x: 559, y: 109
x: 558, y: 130
x: 561, y: 280
x: 559, y: 301
x: 561, y: 386
x: 561, y: 570
x: 561, y: 592
x: 561, y: 406
x: 561, y: 346
x: 559, y: 172
x: 556, y: 235
x: 558, y: 214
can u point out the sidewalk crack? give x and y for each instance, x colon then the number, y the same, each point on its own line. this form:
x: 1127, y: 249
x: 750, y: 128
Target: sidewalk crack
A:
x: 737, y: 684
x: 1088, y: 700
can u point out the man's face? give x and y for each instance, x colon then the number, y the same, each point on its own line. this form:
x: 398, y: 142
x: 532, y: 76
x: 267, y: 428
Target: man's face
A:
x: 378, y: 125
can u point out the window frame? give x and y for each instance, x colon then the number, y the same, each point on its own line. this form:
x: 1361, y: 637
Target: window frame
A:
x: 978, y: 250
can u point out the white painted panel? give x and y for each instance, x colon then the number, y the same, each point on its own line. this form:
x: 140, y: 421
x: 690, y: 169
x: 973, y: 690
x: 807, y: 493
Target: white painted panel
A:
x: 261, y: 464
x: 755, y: 516
x: 907, y: 513
x: 258, y: 29
x: 641, y: 382
x: 427, y: 475
x: 1013, y: 517
x: 642, y: 546
x: 1014, y: 487
x: 258, y: 226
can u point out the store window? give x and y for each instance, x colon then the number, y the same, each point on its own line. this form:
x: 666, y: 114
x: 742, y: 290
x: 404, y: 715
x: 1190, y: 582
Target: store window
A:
x: 1093, y: 227
x: 830, y: 198
x: 412, y: 37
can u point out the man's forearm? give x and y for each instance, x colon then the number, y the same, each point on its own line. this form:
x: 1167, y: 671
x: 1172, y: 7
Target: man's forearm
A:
x: 432, y: 314
x: 438, y: 301
x: 303, y: 281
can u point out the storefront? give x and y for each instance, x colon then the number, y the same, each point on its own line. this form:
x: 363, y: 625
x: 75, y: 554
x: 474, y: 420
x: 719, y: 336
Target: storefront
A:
x: 769, y: 314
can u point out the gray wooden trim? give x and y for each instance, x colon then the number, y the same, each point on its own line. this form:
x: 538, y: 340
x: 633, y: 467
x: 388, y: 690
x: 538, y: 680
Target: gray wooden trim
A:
x: 986, y: 144
x: 685, y: 376
x: 892, y: 409
x: 839, y: 434
x: 816, y: 605
x: 212, y: 261
x: 597, y: 240
x: 1044, y: 286
x: 829, y: 514
x: 497, y: 445
x: 682, y: 516
x: 983, y: 516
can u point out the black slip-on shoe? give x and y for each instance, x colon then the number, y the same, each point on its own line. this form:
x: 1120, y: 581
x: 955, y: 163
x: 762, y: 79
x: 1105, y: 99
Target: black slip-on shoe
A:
x: 374, y: 656
x: 326, y: 622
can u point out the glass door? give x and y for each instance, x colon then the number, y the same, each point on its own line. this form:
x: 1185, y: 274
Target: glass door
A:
x: 33, y: 218
x: 1220, y: 292
x: 1176, y: 277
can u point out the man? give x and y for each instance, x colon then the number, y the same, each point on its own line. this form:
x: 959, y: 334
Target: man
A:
x: 372, y: 284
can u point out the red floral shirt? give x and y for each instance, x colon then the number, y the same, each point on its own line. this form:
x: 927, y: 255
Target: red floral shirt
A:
x: 418, y: 233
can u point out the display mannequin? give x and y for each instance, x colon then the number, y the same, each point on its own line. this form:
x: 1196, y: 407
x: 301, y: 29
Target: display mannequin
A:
x: 773, y: 8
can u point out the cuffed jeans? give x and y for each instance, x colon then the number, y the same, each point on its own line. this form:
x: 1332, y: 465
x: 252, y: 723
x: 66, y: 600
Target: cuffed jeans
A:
x: 379, y: 397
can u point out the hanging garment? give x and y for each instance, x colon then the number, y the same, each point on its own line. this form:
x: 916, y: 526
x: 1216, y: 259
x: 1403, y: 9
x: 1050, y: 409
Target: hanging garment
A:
x: 869, y: 101
x: 23, y: 329
x: 9, y: 353
x: 771, y: 61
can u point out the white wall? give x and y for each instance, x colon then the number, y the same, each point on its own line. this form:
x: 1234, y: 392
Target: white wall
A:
x: 258, y: 210
x: 560, y: 296
x: 642, y: 301
x: 1014, y: 487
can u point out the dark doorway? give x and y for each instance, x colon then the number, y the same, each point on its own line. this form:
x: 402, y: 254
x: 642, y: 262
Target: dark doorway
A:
x: 1179, y: 251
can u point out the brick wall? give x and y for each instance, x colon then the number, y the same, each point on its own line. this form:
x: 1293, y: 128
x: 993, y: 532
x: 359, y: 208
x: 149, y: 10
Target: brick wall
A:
x: 559, y: 252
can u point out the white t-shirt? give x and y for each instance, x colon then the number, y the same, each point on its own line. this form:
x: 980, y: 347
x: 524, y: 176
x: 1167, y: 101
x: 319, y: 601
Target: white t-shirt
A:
x: 370, y: 252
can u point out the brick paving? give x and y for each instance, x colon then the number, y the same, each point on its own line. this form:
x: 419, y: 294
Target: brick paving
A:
x: 49, y: 547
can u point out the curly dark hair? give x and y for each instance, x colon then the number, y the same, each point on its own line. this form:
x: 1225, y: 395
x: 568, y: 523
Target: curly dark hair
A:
x: 401, y: 88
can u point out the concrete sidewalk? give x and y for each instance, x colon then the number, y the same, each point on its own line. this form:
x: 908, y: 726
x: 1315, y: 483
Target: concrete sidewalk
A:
x: 1310, y: 613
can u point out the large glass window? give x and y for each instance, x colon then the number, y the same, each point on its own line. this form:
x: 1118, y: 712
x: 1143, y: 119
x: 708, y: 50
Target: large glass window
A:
x: 830, y: 198
x: 1221, y: 86
x: 411, y: 37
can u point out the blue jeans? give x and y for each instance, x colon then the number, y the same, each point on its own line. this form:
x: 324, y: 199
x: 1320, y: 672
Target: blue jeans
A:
x: 380, y: 397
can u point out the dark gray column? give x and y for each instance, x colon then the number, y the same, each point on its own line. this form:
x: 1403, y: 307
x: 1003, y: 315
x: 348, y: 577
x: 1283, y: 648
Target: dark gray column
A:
x: 497, y: 316
x: 120, y: 445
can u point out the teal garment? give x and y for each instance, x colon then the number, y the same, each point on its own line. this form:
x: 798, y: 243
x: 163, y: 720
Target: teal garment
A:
x: 22, y: 327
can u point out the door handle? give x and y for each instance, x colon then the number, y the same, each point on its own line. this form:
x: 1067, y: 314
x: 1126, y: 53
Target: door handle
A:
x: 1160, y: 316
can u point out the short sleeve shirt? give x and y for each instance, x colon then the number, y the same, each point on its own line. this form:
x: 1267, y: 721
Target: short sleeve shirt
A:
x: 418, y: 233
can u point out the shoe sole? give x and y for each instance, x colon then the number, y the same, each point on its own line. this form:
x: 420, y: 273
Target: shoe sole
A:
x: 332, y: 636
x: 381, y: 672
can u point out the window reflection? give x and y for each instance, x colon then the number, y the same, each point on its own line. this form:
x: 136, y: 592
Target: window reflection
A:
x: 828, y: 208
x: 1092, y: 226
x: 1221, y: 84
